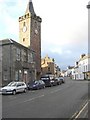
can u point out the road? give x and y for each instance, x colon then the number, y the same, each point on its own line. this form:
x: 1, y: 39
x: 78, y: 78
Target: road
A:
x: 68, y: 100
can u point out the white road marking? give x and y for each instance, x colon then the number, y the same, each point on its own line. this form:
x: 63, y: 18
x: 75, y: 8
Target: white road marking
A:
x: 55, y: 91
x: 77, y: 113
x: 81, y: 110
x: 74, y: 115
x: 33, y: 98
x: 12, y: 97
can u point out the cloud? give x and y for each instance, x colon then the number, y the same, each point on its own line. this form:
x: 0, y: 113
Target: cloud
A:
x: 10, y: 10
x: 56, y: 50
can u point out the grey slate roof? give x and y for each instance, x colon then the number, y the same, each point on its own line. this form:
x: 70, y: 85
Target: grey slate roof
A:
x: 10, y: 41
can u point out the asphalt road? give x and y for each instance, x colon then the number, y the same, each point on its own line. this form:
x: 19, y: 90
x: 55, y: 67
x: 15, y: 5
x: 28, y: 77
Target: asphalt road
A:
x: 68, y: 100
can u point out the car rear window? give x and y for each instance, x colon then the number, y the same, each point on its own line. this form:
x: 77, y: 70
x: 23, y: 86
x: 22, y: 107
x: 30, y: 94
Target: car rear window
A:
x: 44, y: 78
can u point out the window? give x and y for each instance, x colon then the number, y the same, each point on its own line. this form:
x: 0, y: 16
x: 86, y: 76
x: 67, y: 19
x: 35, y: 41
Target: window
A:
x: 18, y: 54
x: 5, y: 77
x: 20, y: 75
x: 48, y: 68
x: 30, y: 57
x: 86, y: 68
x: 16, y: 75
x: 23, y: 84
x: 23, y: 39
x: 24, y: 24
x: 24, y: 55
x: 19, y: 84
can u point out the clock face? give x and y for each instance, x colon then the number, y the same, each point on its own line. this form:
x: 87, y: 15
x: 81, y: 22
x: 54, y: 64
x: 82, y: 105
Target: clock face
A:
x: 24, y: 29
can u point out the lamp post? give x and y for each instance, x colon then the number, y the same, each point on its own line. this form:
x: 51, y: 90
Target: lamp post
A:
x: 88, y: 6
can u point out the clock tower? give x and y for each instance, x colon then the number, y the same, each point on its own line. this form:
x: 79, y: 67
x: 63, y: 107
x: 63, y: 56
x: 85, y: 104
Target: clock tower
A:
x: 30, y: 33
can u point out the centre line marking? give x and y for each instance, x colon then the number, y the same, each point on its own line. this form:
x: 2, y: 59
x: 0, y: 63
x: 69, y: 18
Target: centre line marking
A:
x: 55, y: 91
x: 33, y: 98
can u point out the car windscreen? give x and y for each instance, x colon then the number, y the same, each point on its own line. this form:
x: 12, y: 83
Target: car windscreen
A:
x: 32, y: 82
x: 12, y: 84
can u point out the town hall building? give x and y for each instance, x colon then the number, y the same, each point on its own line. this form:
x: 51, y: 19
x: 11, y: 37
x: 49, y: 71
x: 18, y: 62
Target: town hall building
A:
x: 22, y: 61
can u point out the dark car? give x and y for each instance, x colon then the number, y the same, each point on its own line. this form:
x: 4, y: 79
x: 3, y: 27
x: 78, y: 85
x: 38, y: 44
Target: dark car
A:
x: 58, y: 81
x: 36, y: 84
x: 62, y: 79
x: 49, y: 80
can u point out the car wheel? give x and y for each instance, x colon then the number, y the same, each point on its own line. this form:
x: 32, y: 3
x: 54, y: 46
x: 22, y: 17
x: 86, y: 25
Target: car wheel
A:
x: 43, y: 87
x: 51, y: 85
x: 25, y: 90
x: 38, y: 88
x: 28, y: 88
x: 59, y: 83
x: 14, y: 92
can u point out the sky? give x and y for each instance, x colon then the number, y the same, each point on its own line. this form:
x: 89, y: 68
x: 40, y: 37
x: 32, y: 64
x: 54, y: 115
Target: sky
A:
x: 64, y: 27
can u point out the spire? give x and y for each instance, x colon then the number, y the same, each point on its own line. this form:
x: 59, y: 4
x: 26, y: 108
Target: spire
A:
x: 30, y: 8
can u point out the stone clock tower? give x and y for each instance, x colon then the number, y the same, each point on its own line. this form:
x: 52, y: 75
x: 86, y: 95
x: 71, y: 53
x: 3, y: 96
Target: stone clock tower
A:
x: 30, y: 33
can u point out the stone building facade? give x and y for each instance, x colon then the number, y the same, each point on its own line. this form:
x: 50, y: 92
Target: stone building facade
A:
x: 30, y: 33
x: 48, y: 66
x: 82, y: 68
x: 17, y: 62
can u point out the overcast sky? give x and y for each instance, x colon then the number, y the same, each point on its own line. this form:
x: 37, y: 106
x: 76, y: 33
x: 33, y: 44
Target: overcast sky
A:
x: 64, y: 33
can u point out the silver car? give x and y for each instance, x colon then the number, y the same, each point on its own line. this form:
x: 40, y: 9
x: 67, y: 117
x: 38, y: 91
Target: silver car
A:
x: 62, y: 79
x: 13, y: 88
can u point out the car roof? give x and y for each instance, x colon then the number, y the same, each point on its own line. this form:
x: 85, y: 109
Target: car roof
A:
x: 17, y: 82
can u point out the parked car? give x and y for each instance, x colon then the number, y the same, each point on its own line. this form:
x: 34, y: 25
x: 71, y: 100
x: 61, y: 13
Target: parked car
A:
x: 35, y: 84
x: 58, y: 81
x: 62, y: 79
x: 13, y: 88
x: 49, y: 80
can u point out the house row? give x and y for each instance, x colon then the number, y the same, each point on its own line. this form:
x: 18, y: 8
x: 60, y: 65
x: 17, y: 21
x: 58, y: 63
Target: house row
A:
x: 81, y: 70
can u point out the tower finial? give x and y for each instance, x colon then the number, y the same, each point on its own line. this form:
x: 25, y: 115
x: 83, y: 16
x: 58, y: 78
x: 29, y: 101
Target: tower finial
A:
x: 30, y: 0
x: 30, y: 8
